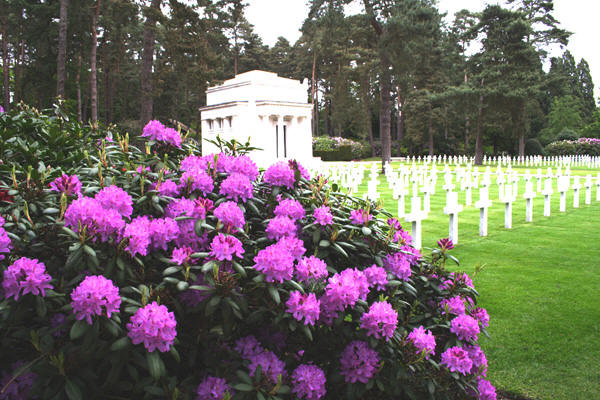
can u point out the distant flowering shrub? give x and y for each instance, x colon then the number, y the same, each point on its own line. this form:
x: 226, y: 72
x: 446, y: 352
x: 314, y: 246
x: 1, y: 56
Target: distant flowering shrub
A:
x: 160, y: 273
x: 581, y: 146
x: 345, y: 149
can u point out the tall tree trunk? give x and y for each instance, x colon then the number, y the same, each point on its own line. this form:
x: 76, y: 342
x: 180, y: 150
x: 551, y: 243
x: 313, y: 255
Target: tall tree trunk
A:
x: 5, y: 61
x: 314, y: 94
x: 327, y: 111
x: 467, y: 121
x: 111, y: 97
x: 366, y: 104
x: 62, y: 50
x: 521, y: 128
x: 400, y: 126
x: 147, y: 61
x: 479, y: 134
x: 93, y: 71
x: 430, y: 129
x: 384, y: 111
x: 19, y: 71
x: 106, y: 72
x: 78, y: 86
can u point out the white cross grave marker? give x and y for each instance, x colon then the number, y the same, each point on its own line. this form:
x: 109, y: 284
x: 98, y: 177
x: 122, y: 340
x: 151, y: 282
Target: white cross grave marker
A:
x: 576, y: 186
x: 528, y: 196
x: 588, y: 189
x: 547, y: 192
x: 563, y: 186
x: 508, y: 199
x: 483, y: 204
x: 415, y: 217
x: 453, y: 209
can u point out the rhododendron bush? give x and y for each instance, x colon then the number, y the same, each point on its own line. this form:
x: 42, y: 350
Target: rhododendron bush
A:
x: 159, y: 273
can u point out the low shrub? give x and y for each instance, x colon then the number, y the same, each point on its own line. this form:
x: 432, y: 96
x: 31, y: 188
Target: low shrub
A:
x: 533, y: 147
x: 337, y: 148
x: 157, y: 273
x: 581, y: 146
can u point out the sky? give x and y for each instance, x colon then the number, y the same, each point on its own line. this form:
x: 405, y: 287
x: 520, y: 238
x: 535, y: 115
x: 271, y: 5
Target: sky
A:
x: 274, y: 18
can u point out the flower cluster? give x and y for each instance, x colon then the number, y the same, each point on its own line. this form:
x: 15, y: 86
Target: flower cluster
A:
x: 398, y: 264
x: 276, y: 262
x: 465, y: 327
x: 28, y: 276
x: 360, y: 217
x: 358, y: 362
x: 290, y: 208
x: 380, y: 321
x: 237, y: 187
x: 308, y: 382
x: 94, y: 293
x: 323, y: 216
x: 212, y: 388
x: 424, y: 341
x: 279, y: 227
x: 154, y: 130
x: 376, y: 276
x: 224, y: 247
x: 457, y: 359
x: 304, y: 306
x: 280, y: 174
x: 154, y: 326
x: 271, y: 366
x: 5, y: 245
x: 87, y: 214
x: 231, y: 215
x: 445, y: 244
x: 455, y: 305
x: 310, y: 268
x: 69, y: 185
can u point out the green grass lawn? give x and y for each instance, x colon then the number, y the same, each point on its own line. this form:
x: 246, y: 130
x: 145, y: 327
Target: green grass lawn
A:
x: 540, y: 284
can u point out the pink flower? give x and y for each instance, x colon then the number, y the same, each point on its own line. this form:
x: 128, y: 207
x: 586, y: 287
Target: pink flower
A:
x: 303, y: 307
x: 360, y: 217
x: 455, y: 305
x: 28, y: 275
x: 465, y: 327
x: 358, y: 362
x: 153, y: 325
x: 279, y: 227
x: 92, y: 294
x: 424, y: 341
x: 323, y: 216
x: 380, y: 321
x: 311, y: 268
x: 457, y: 359
x: 224, y: 247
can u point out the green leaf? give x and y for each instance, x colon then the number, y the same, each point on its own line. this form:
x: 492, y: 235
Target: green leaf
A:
x: 295, y: 285
x: 182, y: 286
x: 120, y: 344
x: 307, y: 332
x: 171, y: 270
x: 78, y: 329
x: 72, y: 390
x: 155, y: 364
x: 40, y: 306
x: 243, y: 387
x: 244, y: 376
x: 324, y: 243
x: 366, y: 231
x: 274, y: 294
x: 239, y: 269
x: 212, y: 305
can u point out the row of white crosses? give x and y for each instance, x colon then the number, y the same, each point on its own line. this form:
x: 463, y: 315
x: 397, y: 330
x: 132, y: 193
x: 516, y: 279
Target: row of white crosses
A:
x: 422, y: 180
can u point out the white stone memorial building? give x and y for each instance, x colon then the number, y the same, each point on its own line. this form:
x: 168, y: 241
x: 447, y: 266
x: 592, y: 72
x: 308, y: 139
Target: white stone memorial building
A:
x: 270, y: 110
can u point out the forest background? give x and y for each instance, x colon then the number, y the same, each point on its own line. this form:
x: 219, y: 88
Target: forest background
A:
x: 396, y: 76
